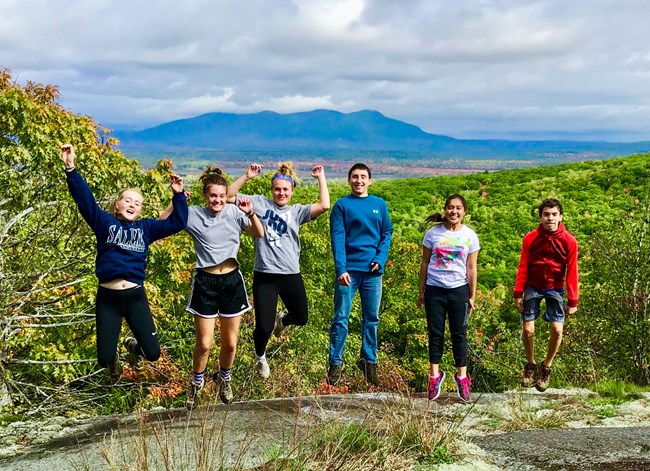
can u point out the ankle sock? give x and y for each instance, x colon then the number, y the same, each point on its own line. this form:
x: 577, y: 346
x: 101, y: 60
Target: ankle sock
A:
x: 259, y: 358
x: 225, y: 373
x: 198, y: 377
x: 435, y: 376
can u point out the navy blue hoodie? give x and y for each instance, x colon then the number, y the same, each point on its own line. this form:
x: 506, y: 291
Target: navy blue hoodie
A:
x: 122, y: 246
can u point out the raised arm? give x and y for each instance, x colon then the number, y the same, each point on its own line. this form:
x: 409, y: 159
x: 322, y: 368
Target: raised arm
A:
x: 177, y: 219
x: 253, y: 170
x: 324, y: 198
x: 255, y: 228
x: 80, y: 191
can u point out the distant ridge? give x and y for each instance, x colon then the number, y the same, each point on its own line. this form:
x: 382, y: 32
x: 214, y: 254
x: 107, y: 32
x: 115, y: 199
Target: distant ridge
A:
x: 328, y: 130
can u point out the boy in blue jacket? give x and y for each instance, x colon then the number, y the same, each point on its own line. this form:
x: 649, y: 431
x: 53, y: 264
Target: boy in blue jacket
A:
x: 360, y: 231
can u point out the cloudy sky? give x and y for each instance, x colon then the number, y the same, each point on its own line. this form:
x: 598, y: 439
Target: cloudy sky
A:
x: 576, y: 69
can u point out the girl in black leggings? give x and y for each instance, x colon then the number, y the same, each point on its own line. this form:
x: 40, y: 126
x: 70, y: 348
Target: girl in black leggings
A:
x: 122, y: 246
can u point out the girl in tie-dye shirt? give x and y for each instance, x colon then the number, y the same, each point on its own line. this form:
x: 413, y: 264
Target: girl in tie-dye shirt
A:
x: 447, y: 288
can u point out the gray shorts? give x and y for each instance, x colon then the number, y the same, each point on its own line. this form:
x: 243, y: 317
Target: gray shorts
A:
x: 554, y: 304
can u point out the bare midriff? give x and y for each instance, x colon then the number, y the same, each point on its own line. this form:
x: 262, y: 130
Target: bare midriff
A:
x: 224, y: 267
x: 119, y: 284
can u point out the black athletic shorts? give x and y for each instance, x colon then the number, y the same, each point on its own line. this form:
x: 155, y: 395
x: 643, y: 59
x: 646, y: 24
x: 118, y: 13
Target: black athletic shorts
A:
x: 218, y: 295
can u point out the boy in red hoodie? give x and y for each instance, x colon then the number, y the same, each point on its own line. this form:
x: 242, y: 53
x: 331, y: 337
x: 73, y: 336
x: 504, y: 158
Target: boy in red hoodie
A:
x: 549, y: 255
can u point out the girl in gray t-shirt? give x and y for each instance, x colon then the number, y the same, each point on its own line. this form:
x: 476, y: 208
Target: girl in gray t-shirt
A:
x: 277, y: 254
x: 218, y: 290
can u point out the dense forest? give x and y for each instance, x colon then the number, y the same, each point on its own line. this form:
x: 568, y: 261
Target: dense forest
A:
x: 47, y: 285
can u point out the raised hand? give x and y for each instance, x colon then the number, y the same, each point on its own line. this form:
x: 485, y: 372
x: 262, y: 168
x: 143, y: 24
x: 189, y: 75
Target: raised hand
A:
x: 317, y: 171
x: 245, y: 204
x: 177, y: 183
x: 253, y: 171
x: 67, y: 155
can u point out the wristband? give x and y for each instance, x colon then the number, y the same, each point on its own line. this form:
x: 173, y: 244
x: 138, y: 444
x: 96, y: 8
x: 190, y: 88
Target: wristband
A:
x: 251, y: 213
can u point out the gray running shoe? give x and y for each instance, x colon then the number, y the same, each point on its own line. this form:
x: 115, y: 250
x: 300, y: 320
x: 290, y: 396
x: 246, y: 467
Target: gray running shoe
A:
x: 530, y: 375
x: 263, y: 368
x: 277, y: 330
x: 334, y: 373
x: 543, y: 377
x: 369, y: 371
x: 135, y: 360
x: 225, y: 390
x: 193, y: 390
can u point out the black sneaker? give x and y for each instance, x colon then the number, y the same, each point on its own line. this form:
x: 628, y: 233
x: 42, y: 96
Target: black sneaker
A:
x: 135, y: 360
x: 530, y: 375
x: 334, y: 373
x: 193, y: 390
x: 369, y: 371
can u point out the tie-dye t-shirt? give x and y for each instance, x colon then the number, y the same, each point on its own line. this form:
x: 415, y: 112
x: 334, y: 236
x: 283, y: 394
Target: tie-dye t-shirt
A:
x: 449, y: 251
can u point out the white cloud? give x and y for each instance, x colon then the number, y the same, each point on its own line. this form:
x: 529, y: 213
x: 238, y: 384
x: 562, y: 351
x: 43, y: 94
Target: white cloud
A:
x: 488, y: 68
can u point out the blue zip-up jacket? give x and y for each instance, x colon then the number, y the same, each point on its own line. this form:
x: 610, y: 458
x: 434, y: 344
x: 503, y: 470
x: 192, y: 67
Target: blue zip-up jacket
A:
x: 122, y: 246
x: 361, y: 231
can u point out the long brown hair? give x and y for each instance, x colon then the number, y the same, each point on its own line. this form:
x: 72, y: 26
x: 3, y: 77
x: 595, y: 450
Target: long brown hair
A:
x: 439, y: 218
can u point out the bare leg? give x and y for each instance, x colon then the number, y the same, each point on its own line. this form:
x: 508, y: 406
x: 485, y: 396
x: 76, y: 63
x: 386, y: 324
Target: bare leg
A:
x: 229, y: 333
x: 527, y: 337
x: 434, y: 368
x: 554, y: 342
x: 204, y: 333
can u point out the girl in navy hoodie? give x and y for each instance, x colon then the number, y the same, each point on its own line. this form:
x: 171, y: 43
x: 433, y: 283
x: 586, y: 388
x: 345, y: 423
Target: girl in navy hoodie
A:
x: 122, y: 246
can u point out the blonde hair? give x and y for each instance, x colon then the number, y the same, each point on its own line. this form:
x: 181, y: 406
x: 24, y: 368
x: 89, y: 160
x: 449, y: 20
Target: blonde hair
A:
x: 212, y: 176
x: 285, y: 169
x: 112, y: 207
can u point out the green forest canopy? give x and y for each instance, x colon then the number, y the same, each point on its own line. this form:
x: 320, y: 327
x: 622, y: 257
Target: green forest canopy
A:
x: 47, y: 284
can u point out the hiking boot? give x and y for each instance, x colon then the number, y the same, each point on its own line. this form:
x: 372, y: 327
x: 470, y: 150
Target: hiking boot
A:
x: 543, y: 377
x: 191, y: 399
x: 334, y: 373
x: 462, y: 387
x: 277, y: 330
x: 262, y: 367
x: 135, y: 360
x: 435, y: 385
x: 225, y: 390
x: 115, y: 370
x: 530, y: 375
x: 369, y: 371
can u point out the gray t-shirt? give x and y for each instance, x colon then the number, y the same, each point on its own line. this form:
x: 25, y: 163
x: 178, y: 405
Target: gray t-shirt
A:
x: 279, y: 250
x: 215, y: 236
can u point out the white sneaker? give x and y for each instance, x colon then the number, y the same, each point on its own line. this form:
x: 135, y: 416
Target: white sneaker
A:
x: 262, y: 367
x: 277, y: 330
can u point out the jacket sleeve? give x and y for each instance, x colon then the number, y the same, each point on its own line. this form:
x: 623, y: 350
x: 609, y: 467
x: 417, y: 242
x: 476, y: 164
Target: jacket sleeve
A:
x: 81, y: 194
x: 572, y: 273
x: 522, y: 270
x: 176, y: 222
x: 337, y: 236
x: 384, y: 240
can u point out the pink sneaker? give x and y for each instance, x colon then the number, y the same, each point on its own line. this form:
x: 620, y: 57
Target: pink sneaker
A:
x: 462, y: 387
x: 435, y: 385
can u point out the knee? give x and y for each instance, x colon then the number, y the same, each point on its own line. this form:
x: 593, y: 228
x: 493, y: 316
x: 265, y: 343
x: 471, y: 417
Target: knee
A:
x: 556, y: 332
x: 202, y: 346
x: 228, y: 345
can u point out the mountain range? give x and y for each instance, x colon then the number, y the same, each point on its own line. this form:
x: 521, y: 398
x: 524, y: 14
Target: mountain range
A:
x: 327, y: 130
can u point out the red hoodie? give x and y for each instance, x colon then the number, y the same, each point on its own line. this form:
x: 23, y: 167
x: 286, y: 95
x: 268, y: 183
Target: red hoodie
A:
x: 546, y: 258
